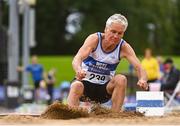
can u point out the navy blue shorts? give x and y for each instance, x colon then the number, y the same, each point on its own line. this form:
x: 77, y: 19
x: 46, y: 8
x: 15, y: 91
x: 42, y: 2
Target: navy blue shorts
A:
x: 37, y: 84
x: 95, y: 92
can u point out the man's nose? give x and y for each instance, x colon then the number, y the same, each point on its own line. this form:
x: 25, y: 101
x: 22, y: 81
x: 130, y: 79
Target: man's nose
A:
x: 116, y: 35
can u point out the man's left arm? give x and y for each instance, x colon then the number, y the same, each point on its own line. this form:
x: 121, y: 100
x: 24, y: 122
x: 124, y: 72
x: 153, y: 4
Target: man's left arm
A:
x: 128, y: 53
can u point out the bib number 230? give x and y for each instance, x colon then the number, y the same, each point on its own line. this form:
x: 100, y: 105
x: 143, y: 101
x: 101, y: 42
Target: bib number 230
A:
x: 96, y: 76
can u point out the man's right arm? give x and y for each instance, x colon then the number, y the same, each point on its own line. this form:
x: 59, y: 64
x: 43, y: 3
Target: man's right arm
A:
x: 22, y: 68
x: 88, y: 46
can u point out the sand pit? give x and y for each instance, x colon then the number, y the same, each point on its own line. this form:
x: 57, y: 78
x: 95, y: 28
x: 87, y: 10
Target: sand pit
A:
x: 61, y: 111
x: 59, y: 114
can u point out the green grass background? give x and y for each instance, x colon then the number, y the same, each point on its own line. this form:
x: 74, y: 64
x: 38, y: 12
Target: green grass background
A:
x: 64, y: 68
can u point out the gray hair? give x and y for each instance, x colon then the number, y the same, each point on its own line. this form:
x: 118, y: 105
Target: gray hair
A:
x: 117, y: 18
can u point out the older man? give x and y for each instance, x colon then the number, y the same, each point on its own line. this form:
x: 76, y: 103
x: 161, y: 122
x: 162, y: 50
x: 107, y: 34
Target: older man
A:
x: 96, y: 62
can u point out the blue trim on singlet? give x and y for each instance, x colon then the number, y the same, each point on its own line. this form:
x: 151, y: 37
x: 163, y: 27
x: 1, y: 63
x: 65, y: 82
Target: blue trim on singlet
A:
x: 99, y: 38
x: 120, y: 48
x: 89, y: 61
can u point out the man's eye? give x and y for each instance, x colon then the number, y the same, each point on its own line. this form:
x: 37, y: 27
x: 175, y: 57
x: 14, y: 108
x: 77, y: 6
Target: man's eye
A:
x: 113, y: 31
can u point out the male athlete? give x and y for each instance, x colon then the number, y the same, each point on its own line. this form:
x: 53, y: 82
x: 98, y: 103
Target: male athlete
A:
x: 96, y: 62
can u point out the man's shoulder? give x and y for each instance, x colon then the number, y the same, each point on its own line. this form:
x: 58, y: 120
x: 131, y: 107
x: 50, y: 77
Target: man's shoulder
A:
x: 92, y: 39
x: 40, y: 65
x: 125, y: 44
x: 36, y: 65
x: 29, y: 66
x: 176, y: 71
x: 94, y: 35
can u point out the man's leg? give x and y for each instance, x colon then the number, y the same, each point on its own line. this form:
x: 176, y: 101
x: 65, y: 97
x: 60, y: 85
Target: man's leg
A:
x: 76, y: 91
x: 117, y: 88
x: 36, y: 91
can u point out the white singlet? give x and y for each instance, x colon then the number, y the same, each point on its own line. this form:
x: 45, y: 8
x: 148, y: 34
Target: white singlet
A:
x: 100, y: 66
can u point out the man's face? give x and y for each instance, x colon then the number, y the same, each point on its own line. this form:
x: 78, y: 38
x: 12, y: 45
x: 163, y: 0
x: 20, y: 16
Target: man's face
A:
x: 114, y: 32
x: 34, y: 60
x: 148, y: 53
x: 167, y: 67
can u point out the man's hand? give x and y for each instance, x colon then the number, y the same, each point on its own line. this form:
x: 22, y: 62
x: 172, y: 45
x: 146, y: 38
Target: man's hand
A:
x: 80, y: 74
x: 142, y: 84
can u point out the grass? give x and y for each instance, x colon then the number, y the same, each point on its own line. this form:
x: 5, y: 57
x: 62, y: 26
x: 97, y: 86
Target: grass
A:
x: 176, y: 61
x: 62, y: 64
x: 65, y: 71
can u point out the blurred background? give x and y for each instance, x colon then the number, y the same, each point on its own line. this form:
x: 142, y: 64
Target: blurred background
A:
x: 54, y: 30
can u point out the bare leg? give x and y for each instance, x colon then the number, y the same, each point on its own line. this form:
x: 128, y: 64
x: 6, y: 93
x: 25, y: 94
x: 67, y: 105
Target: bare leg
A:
x: 76, y: 91
x: 37, y: 93
x: 117, y: 87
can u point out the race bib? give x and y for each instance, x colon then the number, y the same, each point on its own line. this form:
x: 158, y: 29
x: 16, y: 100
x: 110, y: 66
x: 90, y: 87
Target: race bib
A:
x: 96, y: 78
